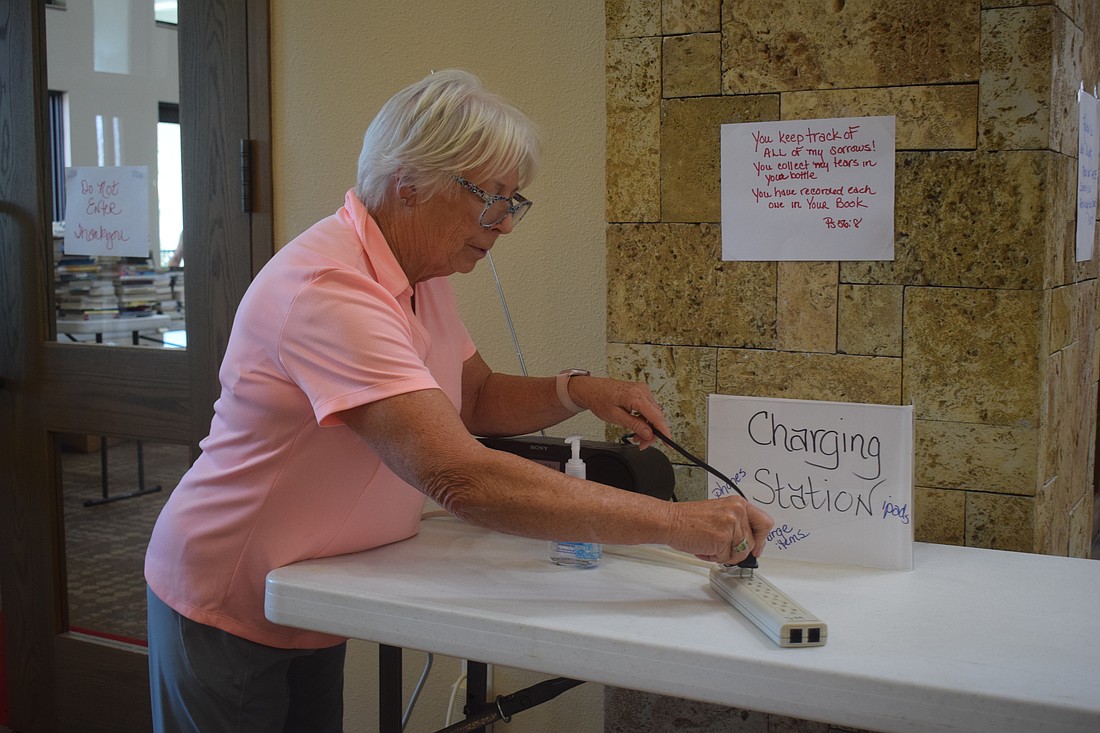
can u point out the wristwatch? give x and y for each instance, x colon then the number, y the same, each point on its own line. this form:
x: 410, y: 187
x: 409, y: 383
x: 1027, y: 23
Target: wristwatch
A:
x: 563, y: 388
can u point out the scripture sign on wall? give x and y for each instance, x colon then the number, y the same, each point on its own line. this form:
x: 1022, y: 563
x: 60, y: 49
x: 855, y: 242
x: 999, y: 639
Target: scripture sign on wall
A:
x: 836, y: 477
x: 808, y: 190
x: 107, y: 211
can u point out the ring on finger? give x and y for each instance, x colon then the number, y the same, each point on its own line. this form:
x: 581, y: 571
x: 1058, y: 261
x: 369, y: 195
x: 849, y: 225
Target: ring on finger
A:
x: 744, y: 545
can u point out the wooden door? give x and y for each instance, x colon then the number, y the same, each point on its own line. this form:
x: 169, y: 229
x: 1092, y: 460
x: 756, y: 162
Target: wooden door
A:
x: 60, y: 679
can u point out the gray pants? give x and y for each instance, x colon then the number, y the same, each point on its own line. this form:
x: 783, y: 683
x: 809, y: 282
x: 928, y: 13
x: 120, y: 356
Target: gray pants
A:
x: 205, y: 680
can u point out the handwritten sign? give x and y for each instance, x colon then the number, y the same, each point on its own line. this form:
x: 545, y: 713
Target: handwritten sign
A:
x: 836, y: 477
x: 808, y: 190
x: 107, y: 211
x: 1086, y: 174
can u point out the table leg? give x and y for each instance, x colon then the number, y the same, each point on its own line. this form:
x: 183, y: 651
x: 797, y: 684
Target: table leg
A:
x: 106, y: 497
x: 389, y: 689
x: 477, y: 689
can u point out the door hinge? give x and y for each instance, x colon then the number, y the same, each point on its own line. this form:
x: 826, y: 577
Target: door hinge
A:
x: 246, y: 176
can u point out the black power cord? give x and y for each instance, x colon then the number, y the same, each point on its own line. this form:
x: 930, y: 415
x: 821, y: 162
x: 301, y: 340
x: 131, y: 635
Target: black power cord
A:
x: 749, y: 562
x: 508, y: 705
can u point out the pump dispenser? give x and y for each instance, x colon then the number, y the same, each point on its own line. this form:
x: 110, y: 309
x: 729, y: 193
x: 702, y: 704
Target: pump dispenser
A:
x: 576, y: 554
x: 575, y: 466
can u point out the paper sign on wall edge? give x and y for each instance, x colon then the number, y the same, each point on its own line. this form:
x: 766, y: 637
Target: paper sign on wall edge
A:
x: 869, y: 537
x: 1088, y: 150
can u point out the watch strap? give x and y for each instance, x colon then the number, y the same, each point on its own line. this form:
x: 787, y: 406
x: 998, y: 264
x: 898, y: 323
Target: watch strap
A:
x: 563, y: 388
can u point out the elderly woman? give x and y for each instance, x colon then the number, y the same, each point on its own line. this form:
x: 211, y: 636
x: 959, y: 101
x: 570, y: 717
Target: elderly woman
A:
x: 350, y: 391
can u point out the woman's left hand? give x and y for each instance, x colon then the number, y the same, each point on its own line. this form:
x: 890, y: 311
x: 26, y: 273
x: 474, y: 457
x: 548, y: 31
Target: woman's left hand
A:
x: 630, y: 404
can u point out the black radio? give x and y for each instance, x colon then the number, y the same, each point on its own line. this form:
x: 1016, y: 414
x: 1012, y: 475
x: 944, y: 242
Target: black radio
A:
x: 615, y: 464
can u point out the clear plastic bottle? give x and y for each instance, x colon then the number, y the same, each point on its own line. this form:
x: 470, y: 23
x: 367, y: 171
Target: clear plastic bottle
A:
x: 576, y: 554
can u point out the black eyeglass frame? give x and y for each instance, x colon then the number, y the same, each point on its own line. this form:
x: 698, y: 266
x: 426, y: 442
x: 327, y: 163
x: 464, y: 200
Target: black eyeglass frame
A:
x: 517, y: 204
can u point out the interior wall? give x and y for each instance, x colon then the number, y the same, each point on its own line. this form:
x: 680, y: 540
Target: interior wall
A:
x: 332, y: 67
x: 983, y: 321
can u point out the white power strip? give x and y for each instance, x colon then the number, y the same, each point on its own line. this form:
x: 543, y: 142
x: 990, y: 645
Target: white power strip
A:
x: 784, y: 621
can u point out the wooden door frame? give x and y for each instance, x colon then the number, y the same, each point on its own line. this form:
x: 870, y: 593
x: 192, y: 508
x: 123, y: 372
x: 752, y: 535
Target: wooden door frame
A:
x: 57, y: 680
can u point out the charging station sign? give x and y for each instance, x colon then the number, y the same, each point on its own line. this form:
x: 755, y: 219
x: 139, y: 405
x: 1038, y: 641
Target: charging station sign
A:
x: 836, y: 477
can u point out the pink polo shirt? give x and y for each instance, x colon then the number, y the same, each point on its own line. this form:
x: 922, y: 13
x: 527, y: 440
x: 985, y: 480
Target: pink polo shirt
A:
x: 327, y: 325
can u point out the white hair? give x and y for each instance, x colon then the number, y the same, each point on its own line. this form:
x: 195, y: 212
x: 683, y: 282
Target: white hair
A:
x: 444, y: 125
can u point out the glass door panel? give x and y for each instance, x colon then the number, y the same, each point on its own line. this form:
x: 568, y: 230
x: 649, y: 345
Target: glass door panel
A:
x: 112, y: 491
x: 115, y: 151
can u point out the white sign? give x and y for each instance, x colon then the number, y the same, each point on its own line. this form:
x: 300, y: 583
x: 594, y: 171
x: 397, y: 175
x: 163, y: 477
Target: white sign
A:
x: 107, y: 211
x: 808, y: 190
x: 1087, y: 137
x: 836, y: 477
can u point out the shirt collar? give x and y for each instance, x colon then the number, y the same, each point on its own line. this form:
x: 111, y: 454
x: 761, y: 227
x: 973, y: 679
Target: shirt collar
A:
x: 375, y: 247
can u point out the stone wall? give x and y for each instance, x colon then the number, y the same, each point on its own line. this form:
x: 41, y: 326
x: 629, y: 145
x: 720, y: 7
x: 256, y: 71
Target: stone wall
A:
x: 983, y: 321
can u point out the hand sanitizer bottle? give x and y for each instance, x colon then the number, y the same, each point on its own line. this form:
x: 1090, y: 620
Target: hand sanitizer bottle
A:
x: 576, y: 554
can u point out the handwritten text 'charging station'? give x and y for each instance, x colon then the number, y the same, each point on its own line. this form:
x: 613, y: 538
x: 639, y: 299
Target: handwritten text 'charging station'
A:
x: 835, y: 477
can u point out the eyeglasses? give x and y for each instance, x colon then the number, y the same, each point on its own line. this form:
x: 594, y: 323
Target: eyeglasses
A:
x: 497, y: 208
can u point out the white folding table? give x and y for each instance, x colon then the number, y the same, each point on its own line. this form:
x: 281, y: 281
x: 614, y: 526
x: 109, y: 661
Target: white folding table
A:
x: 970, y: 640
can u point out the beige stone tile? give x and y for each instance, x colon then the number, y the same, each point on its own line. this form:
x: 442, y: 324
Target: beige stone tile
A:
x: 1069, y: 43
x: 632, y: 18
x: 1088, y: 16
x: 1071, y: 401
x: 1094, y: 362
x: 972, y: 356
x: 1051, y: 418
x: 806, y: 312
x: 680, y: 378
x: 691, y: 65
x: 939, y: 515
x: 691, y: 16
x: 1074, y: 424
x: 1068, y: 431
x: 835, y: 45
x: 994, y: 458
x: 633, y: 162
x: 1085, y: 330
x: 928, y: 117
x: 869, y: 319
x: 1062, y: 320
x: 1025, y: 101
x: 1080, y: 527
x: 1060, y: 226
x: 667, y: 284
x: 831, y: 377
x: 1051, y: 524
x: 691, y: 151
x: 966, y: 220
x: 1000, y: 522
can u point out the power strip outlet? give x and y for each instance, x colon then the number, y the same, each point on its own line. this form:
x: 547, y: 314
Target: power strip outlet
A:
x: 780, y: 618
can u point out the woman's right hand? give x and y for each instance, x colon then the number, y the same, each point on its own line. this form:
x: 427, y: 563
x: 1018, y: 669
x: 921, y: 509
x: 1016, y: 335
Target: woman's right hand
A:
x: 725, y: 530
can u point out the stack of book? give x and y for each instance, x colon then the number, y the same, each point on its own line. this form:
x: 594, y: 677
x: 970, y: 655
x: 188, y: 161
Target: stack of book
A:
x: 83, y: 289
x: 137, y: 291
x: 90, y: 287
